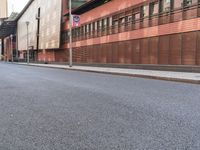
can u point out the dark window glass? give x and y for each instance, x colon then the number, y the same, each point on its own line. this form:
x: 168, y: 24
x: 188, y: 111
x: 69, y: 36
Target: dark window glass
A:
x: 145, y: 11
x: 154, y: 8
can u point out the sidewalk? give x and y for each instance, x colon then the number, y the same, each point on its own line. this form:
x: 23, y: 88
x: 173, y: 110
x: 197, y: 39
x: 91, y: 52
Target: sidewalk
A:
x: 152, y: 74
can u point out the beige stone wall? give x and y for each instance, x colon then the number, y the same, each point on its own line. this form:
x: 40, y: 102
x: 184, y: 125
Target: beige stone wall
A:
x: 3, y: 9
x: 49, y: 25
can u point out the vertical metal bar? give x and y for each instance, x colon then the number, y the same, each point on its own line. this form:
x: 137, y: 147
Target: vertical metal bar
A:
x: 70, y: 34
x: 11, y: 46
x: 27, y: 24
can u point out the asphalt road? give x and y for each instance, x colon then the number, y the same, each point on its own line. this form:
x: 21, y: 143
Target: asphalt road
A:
x: 53, y: 109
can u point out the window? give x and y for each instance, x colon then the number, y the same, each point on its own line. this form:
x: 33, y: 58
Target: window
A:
x: 165, y: 5
x: 144, y: 11
x: 129, y: 18
x: 105, y: 23
x: 96, y: 26
x: 99, y: 24
x: 190, y: 2
x: 153, y: 8
x: 137, y: 16
x: 122, y: 20
x: 89, y: 28
x: 115, y: 23
x: 110, y: 21
x: 178, y: 4
x: 82, y: 30
x: 79, y: 31
x: 85, y: 29
x: 93, y: 26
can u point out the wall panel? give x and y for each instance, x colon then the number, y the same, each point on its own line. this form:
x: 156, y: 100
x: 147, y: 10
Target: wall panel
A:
x: 198, y: 49
x: 136, y: 52
x: 128, y: 52
x: 115, y: 52
x: 164, y: 49
x: 121, y: 52
x: 50, y: 21
x: 104, y: 53
x: 189, y: 48
x: 175, y: 49
x: 144, y: 49
x: 153, y: 50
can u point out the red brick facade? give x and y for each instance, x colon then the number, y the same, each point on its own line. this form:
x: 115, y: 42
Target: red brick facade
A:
x: 131, y: 32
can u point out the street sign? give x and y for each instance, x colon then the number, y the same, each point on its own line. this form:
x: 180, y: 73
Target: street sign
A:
x: 76, y: 21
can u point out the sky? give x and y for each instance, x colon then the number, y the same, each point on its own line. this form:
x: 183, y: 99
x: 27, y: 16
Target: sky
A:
x: 16, y: 5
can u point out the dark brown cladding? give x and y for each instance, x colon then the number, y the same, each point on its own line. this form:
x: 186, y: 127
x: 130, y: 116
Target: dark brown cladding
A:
x: 175, y: 49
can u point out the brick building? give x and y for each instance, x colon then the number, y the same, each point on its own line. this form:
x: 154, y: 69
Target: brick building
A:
x: 159, y: 32
x: 8, y: 38
x: 42, y: 33
x: 116, y: 32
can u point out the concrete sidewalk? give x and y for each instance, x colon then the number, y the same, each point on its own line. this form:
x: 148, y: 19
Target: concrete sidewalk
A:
x: 161, y: 75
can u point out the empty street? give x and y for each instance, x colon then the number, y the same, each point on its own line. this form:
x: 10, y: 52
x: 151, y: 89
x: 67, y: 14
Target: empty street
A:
x: 55, y: 109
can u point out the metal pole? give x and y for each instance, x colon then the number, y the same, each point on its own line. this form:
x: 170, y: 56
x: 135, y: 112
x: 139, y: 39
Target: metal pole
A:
x: 70, y: 33
x: 27, y: 24
x: 11, y: 46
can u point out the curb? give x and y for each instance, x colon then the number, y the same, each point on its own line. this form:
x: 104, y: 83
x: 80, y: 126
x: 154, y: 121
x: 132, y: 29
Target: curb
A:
x: 121, y: 74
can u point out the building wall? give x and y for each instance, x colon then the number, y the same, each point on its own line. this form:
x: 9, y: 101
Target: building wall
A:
x: 50, y: 24
x: 1, y: 55
x: 167, y: 37
x: 3, y: 9
x: 8, y: 53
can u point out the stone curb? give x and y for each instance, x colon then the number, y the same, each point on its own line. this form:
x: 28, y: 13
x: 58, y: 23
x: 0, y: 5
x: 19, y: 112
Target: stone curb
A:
x: 121, y: 74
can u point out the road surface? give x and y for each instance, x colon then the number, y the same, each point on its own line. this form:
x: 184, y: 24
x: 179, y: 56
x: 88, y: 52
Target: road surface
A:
x: 54, y: 109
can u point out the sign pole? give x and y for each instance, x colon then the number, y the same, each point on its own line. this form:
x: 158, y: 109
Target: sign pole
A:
x: 27, y: 24
x: 11, y: 46
x: 70, y: 33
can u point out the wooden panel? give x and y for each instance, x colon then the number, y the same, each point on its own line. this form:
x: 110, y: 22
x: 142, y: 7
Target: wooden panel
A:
x: 98, y: 54
x: 163, y: 49
x: 189, y: 48
x: 93, y: 53
x: 74, y: 55
x: 89, y: 54
x: 153, y: 50
x: 121, y: 52
x: 198, y: 48
x: 78, y: 54
x: 136, y: 51
x: 128, y: 52
x: 144, y: 49
x: 115, y: 52
x: 104, y: 53
x: 175, y: 49
x: 109, y: 53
